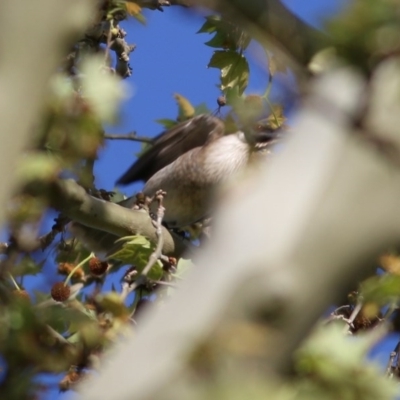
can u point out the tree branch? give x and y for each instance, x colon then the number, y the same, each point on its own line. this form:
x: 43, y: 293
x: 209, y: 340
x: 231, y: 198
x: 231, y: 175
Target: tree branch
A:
x: 129, y: 136
x: 94, y: 214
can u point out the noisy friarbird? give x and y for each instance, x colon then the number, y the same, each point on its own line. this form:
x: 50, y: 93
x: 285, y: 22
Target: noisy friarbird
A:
x: 190, y: 160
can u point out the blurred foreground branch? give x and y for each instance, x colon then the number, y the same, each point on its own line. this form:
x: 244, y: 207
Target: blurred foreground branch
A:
x: 28, y: 57
x: 318, y: 217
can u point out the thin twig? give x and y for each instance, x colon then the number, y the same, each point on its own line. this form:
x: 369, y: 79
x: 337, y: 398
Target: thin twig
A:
x: 14, y: 281
x: 129, y: 136
x: 61, y: 339
x: 126, y: 286
x: 89, y: 257
x: 352, y: 317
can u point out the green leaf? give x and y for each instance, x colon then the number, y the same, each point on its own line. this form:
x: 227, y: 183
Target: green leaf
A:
x: 234, y: 69
x: 166, y: 123
x: 233, y: 97
x: 210, y: 25
x: 220, y: 41
x: 37, y: 166
x: 381, y: 289
x: 227, y: 34
x: 337, y: 361
x: 27, y: 266
x: 102, y: 90
x: 275, y: 120
x: 202, y: 109
x: 61, y: 318
x: 136, y: 250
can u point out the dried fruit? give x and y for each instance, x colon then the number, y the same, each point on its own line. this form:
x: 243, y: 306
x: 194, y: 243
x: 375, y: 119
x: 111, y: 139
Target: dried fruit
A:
x: 221, y: 101
x: 66, y: 268
x: 97, y: 267
x: 60, y: 292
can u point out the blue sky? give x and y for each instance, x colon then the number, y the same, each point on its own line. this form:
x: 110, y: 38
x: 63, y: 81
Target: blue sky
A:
x: 170, y: 58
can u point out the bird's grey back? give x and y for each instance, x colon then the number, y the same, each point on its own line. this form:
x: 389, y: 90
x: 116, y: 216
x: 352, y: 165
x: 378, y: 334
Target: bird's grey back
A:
x: 171, y: 144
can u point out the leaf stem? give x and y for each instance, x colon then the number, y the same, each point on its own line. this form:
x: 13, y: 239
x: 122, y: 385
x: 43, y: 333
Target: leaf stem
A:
x: 91, y: 255
x: 14, y: 282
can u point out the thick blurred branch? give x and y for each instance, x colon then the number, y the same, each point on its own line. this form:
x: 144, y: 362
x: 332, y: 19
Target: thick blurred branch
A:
x: 31, y: 48
x: 325, y: 207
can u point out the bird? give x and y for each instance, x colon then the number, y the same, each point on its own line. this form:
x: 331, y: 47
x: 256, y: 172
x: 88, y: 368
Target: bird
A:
x: 190, y: 161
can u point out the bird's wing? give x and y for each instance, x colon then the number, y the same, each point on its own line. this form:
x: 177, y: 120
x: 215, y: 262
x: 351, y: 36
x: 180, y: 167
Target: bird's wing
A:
x: 171, y: 144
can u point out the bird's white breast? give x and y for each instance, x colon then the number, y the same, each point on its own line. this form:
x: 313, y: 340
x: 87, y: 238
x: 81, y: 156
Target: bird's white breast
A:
x: 226, y: 156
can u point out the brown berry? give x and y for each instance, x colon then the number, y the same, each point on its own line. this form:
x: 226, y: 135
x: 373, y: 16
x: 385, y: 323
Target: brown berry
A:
x: 97, y: 267
x: 60, y: 292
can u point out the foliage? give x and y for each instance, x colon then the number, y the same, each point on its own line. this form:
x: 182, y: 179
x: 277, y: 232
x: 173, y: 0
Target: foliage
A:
x: 39, y: 333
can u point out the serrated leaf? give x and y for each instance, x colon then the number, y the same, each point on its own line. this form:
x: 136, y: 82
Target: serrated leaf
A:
x: 227, y: 34
x: 210, y: 25
x: 136, y: 250
x: 220, y: 41
x: 185, y: 108
x: 234, y: 69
